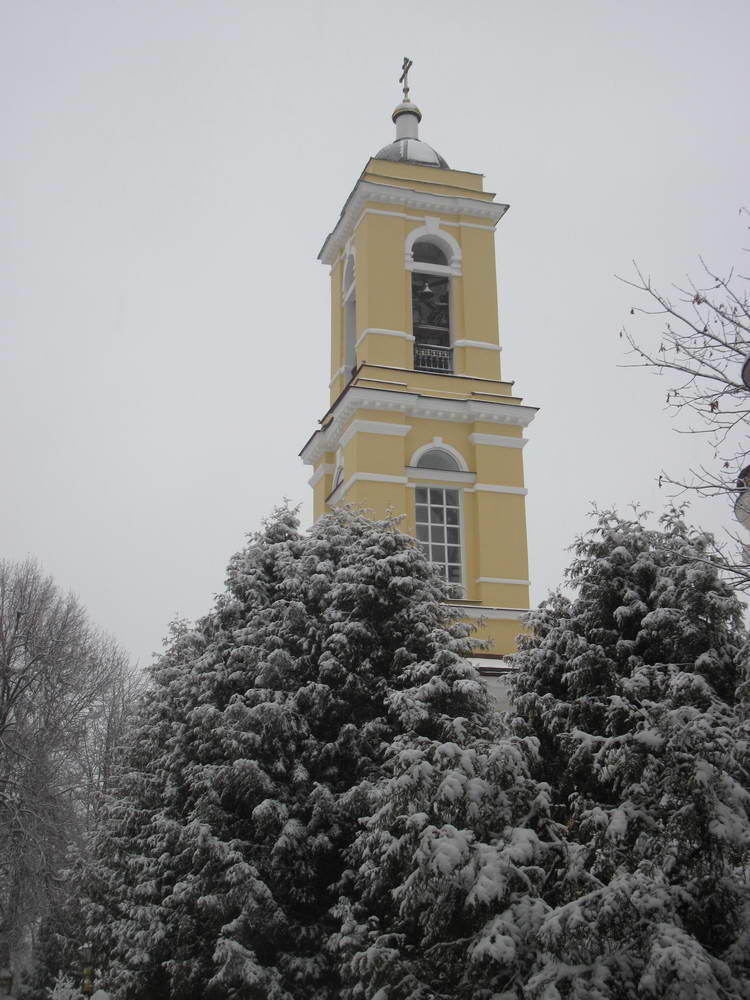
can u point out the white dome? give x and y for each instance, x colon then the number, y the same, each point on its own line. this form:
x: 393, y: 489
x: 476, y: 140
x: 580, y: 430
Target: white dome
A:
x: 411, y: 151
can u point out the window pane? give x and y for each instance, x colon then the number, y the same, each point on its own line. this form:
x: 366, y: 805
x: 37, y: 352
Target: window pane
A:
x: 454, y: 554
x: 453, y: 536
x: 421, y: 494
x: 437, y: 533
x: 425, y: 549
x: 451, y: 498
x: 436, y: 496
x: 437, y: 553
x: 427, y: 253
x: 436, y: 458
x: 421, y: 514
x: 454, y: 574
x: 451, y: 515
x: 422, y: 532
x: 437, y: 515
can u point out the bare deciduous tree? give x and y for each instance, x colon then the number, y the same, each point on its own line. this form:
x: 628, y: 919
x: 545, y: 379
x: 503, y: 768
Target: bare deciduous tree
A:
x: 62, y: 685
x: 703, y: 343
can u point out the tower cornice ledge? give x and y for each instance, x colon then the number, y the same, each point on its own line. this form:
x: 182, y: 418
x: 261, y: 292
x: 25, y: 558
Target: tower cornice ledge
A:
x: 389, y: 194
x: 410, y: 404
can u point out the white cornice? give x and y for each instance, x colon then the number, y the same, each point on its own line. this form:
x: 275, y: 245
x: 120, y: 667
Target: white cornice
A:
x: 504, y: 579
x: 411, y: 404
x: 388, y: 194
x: 498, y: 440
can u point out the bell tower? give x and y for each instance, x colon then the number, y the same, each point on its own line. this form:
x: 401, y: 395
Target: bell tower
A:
x: 420, y: 419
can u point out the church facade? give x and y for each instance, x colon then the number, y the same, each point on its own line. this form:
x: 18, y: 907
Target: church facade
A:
x: 421, y: 421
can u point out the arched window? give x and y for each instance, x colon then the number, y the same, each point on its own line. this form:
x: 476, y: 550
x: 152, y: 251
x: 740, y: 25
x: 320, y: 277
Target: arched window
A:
x: 437, y: 458
x: 431, y: 308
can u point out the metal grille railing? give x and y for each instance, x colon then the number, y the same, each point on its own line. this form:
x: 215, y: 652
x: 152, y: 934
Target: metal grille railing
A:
x: 433, y: 359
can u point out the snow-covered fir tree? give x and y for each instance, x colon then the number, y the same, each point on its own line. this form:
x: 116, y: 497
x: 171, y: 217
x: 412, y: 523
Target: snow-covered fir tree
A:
x: 634, y: 689
x: 261, y: 744
x: 444, y: 897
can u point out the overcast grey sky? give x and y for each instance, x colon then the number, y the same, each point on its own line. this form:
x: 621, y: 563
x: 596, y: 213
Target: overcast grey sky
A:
x: 169, y: 172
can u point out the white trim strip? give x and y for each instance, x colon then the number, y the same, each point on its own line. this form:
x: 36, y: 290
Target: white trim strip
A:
x: 496, y: 665
x: 384, y: 333
x: 373, y: 427
x: 477, y: 343
x: 503, y: 579
x: 423, y: 218
x: 498, y: 440
x: 491, y: 614
x: 368, y: 477
x: 341, y: 371
x: 322, y: 470
x: 440, y: 475
x: 491, y: 488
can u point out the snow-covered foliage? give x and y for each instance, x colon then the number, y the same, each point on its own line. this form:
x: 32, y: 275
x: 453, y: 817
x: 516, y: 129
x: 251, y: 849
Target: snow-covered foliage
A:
x: 64, y: 989
x: 320, y: 802
x: 631, y: 688
x: 262, y: 743
x: 447, y: 876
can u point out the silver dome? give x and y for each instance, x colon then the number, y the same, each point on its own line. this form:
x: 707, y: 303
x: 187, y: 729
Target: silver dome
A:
x: 411, y: 151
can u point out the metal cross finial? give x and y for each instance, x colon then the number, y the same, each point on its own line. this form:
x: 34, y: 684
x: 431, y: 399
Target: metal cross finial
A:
x: 404, y: 78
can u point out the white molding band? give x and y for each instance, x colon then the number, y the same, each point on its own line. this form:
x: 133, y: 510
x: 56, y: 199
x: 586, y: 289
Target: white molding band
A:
x: 368, y: 477
x: 498, y: 440
x: 322, y: 470
x: 384, y: 333
x: 411, y: 404
x: 477, y: 343
x: 388, y: 194
x: 491, y: 488
x: 372, y: 427
x: 440, y: 475
x: 503, y: 579
x: 491, y: 614
x: 341, y: 371
x: 492, y: 664
x: 423, y: 218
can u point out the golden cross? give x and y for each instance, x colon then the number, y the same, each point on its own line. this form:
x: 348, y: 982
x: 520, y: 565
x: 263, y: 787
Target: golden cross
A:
x: 404, y: 78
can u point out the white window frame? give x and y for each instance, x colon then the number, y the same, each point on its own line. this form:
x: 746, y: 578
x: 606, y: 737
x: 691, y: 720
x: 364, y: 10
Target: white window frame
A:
x: 437, y: 444
x: 461, y: 585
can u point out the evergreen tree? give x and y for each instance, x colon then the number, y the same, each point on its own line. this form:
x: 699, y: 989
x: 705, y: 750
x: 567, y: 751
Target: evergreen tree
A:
x: 445, y: 895
x: 259, y: 745
x: 634, y: 689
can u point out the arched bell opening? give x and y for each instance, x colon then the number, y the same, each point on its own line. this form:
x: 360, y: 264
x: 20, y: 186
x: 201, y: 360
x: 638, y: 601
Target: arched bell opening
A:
x: 431, y: 308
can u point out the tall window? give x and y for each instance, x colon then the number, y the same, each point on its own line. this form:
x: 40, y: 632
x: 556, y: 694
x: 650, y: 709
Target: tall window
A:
x: 439, y: 529
x: 430, y: 305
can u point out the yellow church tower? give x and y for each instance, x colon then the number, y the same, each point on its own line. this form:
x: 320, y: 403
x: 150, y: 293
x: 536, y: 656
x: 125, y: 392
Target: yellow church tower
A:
x: 420, y: 420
